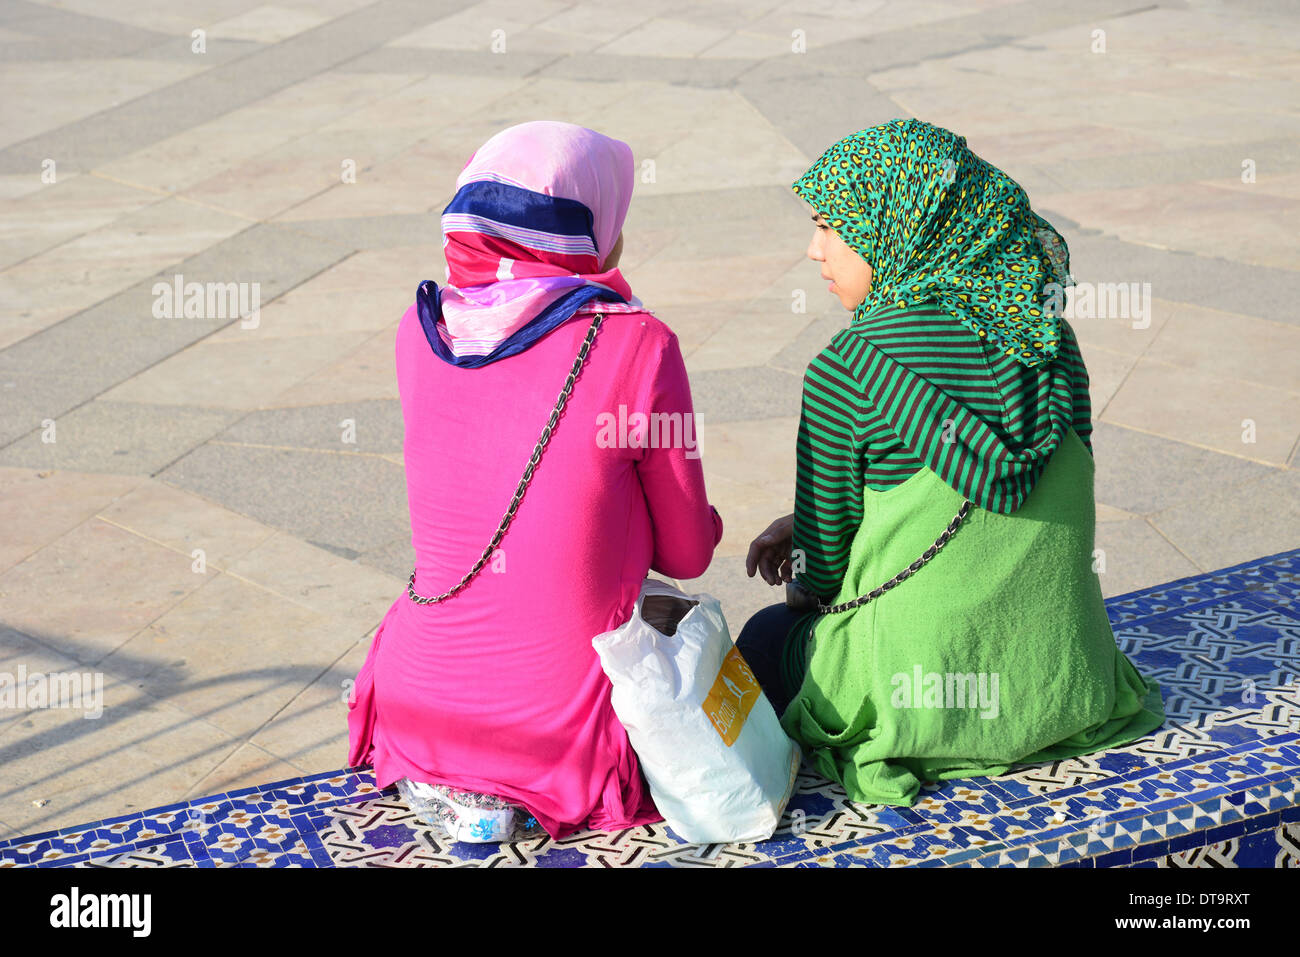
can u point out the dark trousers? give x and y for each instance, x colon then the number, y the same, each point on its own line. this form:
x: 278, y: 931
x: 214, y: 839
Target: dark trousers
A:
x: 762, y: 642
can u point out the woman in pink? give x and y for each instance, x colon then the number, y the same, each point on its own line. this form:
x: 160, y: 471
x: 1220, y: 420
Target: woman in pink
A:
x: 497, y: 689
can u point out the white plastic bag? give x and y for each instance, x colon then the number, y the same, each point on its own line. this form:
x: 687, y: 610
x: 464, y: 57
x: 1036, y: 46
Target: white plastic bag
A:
x: 719, y: 764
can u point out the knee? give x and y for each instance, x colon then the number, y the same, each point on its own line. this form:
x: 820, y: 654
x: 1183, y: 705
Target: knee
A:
x: 761, y: 623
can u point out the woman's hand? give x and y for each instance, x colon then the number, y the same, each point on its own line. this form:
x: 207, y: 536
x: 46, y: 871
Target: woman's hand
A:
x: 769, y: 554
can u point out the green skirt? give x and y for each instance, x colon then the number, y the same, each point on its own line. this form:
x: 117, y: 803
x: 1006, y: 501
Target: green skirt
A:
x: 997, y: 652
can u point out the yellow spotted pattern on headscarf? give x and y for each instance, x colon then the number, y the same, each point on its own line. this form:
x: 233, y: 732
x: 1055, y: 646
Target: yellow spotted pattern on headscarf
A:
x: 938, y: 224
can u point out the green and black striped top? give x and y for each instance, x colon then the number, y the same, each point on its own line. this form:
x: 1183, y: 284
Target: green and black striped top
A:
x: 907, y: 388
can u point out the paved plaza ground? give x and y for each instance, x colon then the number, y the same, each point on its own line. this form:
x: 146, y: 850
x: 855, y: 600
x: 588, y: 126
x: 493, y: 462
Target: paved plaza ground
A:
x: 200, y: 532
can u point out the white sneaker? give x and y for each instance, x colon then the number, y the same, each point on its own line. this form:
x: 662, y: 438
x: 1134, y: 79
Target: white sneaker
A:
x: 460, y: 822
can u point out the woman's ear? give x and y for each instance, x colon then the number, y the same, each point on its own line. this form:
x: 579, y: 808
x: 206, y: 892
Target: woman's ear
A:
x: 614, y: 255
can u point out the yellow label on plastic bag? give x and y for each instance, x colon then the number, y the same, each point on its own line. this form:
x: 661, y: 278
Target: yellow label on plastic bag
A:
x: 733, y: 694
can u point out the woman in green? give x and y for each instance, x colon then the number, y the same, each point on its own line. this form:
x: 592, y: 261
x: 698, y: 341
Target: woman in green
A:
x: 956, y: 382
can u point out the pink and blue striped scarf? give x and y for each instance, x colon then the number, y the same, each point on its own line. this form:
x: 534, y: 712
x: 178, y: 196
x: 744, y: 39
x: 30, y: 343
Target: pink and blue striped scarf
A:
x: 538, y: 209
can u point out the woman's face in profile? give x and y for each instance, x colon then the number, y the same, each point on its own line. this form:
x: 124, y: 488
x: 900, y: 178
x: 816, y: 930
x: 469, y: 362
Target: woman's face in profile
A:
x: 849, y: 273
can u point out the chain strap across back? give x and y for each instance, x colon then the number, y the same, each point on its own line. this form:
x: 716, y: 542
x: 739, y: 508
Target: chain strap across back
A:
x: 907, y: 572
x: 523, y: 482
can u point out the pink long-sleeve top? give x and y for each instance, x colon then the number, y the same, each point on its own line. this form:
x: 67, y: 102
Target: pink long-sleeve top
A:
x: 498, y: 689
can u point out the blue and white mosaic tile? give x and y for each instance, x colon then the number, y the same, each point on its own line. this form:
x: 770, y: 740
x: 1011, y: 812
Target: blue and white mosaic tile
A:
x: 1217, y: 786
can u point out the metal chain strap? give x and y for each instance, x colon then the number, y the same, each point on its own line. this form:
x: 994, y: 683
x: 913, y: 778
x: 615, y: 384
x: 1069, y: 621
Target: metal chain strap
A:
x: 523, y: 482
x: 907, y: 572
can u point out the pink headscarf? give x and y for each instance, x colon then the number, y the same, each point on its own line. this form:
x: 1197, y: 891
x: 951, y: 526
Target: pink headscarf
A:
x: 501, y: 274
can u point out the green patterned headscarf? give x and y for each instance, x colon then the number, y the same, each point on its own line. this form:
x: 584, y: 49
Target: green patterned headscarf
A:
x: 938, y: 224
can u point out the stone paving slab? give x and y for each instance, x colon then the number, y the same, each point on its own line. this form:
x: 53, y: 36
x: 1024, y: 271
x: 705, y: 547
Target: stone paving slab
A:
x: 184, y: 443
x: 1215, y: 786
